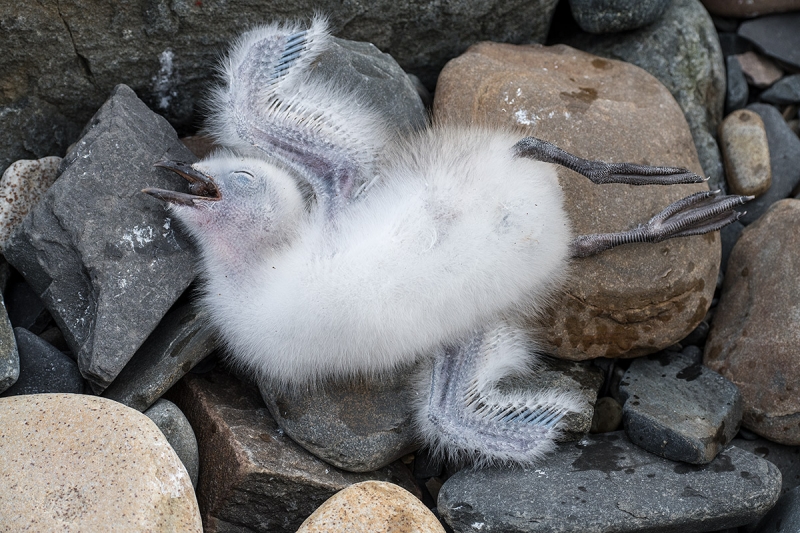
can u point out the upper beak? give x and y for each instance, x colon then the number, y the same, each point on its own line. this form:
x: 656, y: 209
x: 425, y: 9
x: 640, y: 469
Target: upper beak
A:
x: 202, y: 187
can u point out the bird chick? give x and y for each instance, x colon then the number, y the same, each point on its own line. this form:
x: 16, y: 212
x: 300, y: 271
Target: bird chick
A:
x: 331, y: 249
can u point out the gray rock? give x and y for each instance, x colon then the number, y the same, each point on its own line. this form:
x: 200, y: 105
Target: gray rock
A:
x: 733, y: 44
x: 358, y: 426
x: 9, y: 356
x: 737, y: 90
x: 784, y: 159
x: 609, y: 16
x: 785, y: 516
x: 607, y: 415
x: 784, y: 91
x: 104, y: 258
x: 181, y: 340
x: 786, y: 458
x: 25, y: 308
x: 776, y: 36
x: 683, y: 52
x: 176, y: 428
x: 605, y: 483
x: 255, y: 478
x: 62, y: 60
x: 42, y: 368
x: 677, y: 408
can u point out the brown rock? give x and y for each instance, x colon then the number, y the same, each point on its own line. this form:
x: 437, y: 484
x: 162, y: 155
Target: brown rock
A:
x: 755, y: 334
x: 743, y: 140
x: 750, y: 8
x: 70, y: 462
x: 760, y: 71
x: 372, y: 507
x: 637, y: 298
x: 251, y: 474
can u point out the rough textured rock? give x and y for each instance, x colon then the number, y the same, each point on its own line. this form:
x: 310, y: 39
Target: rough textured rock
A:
x: 176, y: 428
x: 609, y: 16
x: 737, y: 90
x: 252, y: 476
x: 759, y: 71
x: 64, y: 58
x: 80, y: 463
x: 9, y: 356
x: 103, y: 257
x: 357, y: 426
x: 785, y: 91
x: 784, y: 162
x: 786, y: 458
x: 372, y: 506
x: 42, y: 368
x: 635, y: 299
x: 745, y: 150
x: 750, y: 8
x: 785, y: 516
x: 677, y: 408
x: 682, y: 50
x: 21, y: 187
x: 776, y: 36
x: 756, y: 330
x: 179, y: 342
x: 605, y: 483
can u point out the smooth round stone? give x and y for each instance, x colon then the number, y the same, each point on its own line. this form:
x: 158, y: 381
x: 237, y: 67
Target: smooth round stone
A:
x: 607, y: 415
x: 372, y: 507
x: 609, y: 16
x: 21, y: 187
x: 83, y: 463
x: 745, y: 151
x: 176, y: 428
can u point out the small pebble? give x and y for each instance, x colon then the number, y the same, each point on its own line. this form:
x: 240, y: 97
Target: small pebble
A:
x: 745, y: 151
x: 176, y: 428
x: 607, y: 415
x: 760, y: 71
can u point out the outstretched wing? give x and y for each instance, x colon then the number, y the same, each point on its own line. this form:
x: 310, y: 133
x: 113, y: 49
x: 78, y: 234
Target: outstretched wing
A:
x: 270, y: 106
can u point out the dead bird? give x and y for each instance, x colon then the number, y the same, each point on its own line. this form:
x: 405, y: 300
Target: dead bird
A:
x: 331, y: 248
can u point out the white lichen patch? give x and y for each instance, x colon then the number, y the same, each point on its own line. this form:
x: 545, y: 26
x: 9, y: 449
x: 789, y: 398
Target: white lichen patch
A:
x: 522, y: 117
x: 165, y: 81
x: 138, y: 236
x: 21, y: 187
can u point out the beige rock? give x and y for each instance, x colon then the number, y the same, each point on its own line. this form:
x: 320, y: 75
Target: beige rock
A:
x: 635, y: 299
x: 72, y: 462
x: 372, y: 507
x: 755, y: 334
x: 760, y: 71
x: 749, y: 8
x: 21, y: 187
x: 745, y: 151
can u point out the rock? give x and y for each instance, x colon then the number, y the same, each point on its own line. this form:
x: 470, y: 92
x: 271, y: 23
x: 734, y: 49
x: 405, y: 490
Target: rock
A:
x: 182, y: 339
x: 784, y: 161
x: 199, y: 145
x: 372, y: 506
x: 758, y: 70
x: 609, y: 16
x: 785, y: 516
x: 254, y: 476
x: 785, y: 91
x: 9, y: 356
x: 786, y: 458
x: 42, y: 368
x: 85, y: 463
x: 745, y: 150
x: 737, y: 90
x: 21, y: 187
x: 776, y: 36
x: 750, y: 8
x: 754, y: 335
x: 677, y: 408
x: 103, y: 257
x: 605, y: 483
x: 607, y: 415
x: 734, y: 44
x: 25, y: 308
x: 614, y: 111
x: 62, y: 61
x: 176, y: 428
x: 729, y: 235
x: 358, y: 426
x: 681, y: 50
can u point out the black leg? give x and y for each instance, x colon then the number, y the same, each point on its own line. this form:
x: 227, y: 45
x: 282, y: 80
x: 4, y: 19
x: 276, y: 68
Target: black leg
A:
x: 600, y: 172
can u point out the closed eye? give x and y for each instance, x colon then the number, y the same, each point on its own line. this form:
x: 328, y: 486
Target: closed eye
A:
x: 245, y: 172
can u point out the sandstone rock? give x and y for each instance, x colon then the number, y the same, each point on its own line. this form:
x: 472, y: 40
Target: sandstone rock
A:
x: 252, y: 476
x: 745, y: 151
x: 759, y: 70
x: 176, y: 428
x: 776, y: 36
x: 756, y: 331
x: 635, y: 299
x: 372, y: 507
x: 609, y: 16
x: 21, y: 187
x: 681, y: 49
x: 750, y: 8
x: 82, y: 463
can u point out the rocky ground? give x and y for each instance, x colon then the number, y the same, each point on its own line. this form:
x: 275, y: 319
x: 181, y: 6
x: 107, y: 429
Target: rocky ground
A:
x: 685, y: 352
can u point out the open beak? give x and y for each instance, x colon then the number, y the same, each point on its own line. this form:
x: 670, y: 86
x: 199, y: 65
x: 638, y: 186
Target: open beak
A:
x: 201, y: 187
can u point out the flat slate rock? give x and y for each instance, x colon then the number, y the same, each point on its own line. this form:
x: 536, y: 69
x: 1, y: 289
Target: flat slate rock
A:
x: 776, y: 36
x: 785, y: 91
x: 677, y: 408
x: 43, y: 368
x: 786, y: 458
x: 606, y: 483
x: 105, y: 258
